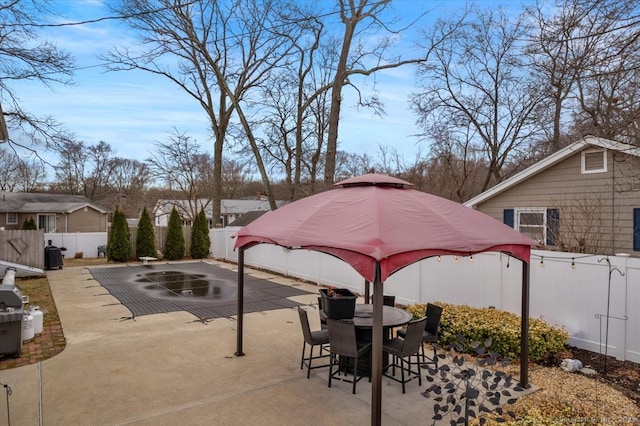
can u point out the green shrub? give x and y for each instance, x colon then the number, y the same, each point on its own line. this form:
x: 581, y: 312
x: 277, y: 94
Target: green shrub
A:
x: 29, y: 225
x: 503, y: 328
x: 174, y: 242
x: 200, y: 241
x: 119, y: 238
x: 145, y: 237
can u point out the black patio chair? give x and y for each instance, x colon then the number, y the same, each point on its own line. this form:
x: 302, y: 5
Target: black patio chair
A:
x: 343, y: 344
x: 433, y: 314
x: 387, y: 300
x: 402, y: 349
x: 313, y: 339
x: 323, y: 321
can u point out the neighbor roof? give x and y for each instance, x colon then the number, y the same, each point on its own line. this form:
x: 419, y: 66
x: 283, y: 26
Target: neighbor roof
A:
x: 552, y: 160
x: 227, y: 206
x: 247, y: 218
x: 29, y: 202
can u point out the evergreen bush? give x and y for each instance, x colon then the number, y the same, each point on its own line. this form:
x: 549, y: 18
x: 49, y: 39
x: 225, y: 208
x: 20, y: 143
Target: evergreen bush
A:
x: 145, y: 237
x: 29, y: 225
x: 503, y: 328
x: 200, y: 241
x: 119, y: 238
x: 174, y: 243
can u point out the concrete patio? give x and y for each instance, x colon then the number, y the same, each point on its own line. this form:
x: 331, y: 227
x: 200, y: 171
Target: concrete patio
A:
x: 170, y: 368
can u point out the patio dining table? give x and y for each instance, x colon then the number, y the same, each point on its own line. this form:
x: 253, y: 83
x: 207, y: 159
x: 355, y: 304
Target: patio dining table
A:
x: 363, y: 317
x: 391, y: 316
x: 363, y: 321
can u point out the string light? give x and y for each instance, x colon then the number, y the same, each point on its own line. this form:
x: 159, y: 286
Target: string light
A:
x: 541, y: 260
x: 508, y: 261
x: 439, y: 258
x: 471, y: 258
x: 456, y: 258
x: 573, y: 263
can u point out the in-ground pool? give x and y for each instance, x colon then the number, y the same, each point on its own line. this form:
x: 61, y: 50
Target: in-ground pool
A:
x: 186, y: 284
x: 202, y: 289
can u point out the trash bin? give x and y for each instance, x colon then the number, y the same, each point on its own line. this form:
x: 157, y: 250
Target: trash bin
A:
x: 52, y: 257
x: 11, y: 316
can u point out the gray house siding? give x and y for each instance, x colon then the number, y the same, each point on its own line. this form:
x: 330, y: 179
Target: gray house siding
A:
x: 596, y: 208
x: 84, y: 220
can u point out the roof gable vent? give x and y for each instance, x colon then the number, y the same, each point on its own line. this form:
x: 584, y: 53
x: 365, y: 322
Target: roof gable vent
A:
x: 594, y: 161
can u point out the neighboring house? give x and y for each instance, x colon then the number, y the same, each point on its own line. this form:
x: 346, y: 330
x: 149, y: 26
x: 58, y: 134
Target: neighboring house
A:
x: 584, y: 198
x: 230, y: 210
x: 52, y: 212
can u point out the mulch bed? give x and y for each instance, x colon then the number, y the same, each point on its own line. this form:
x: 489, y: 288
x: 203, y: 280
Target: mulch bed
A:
x: 621, y: 375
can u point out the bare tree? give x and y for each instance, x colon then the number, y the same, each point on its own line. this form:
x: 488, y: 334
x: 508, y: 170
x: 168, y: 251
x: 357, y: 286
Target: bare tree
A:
x: 235, y: 175
x: 456, y: 167
x: 475, y: 88
x: 30, y: 175
x: 70, y: 172
x: 180, y: 165
x: 100, y: 161
x: 8, y: 168
x: 296, y: 111
x: 350, y: 164
x: 583, y: 225
x: 585, y: 56
x: 85, y: 169
x: 24, y: 56
x: 128, y: 181
x: 20, y: 174
x: 217, y: 52
x: 360, y: 18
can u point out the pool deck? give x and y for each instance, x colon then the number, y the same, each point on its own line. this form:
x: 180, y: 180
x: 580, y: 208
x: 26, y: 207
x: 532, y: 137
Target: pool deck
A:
x: 170, y: 368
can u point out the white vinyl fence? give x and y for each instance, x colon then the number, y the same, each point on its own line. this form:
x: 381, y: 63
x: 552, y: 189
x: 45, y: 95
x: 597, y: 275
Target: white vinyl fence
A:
x: 595, y: 298
x: 78, y: 242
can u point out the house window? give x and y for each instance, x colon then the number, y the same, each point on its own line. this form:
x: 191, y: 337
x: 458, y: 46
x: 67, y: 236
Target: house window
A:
x: 538, y: 223
x: 47, y: 222
x: 12, y: 218
x: 594, y: 161
x: 532, y: 223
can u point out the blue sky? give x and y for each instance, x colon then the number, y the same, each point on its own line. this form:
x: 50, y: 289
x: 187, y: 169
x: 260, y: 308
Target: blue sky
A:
x: 132, y: 110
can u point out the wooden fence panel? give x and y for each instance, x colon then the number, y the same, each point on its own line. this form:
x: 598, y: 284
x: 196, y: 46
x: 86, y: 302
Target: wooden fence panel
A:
x: 23, y: 247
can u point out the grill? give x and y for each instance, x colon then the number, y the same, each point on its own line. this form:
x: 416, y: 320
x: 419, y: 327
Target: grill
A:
x: 11, y: 315
x: 52, y: 257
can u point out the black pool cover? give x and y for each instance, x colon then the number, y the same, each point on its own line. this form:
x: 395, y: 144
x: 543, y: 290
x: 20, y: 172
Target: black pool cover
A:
x: 202, y: 289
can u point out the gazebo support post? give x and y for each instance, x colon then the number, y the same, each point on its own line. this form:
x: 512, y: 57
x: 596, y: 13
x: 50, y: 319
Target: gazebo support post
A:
x: 240, y: 297
x: 524, y: 328
x: 376, y: 351
x: 367, y: 291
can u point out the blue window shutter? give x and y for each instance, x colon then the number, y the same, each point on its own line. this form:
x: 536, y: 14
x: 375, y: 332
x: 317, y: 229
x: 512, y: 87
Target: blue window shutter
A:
x: 636, y: 229
x: 553, y: 226
x: 507, y: 217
